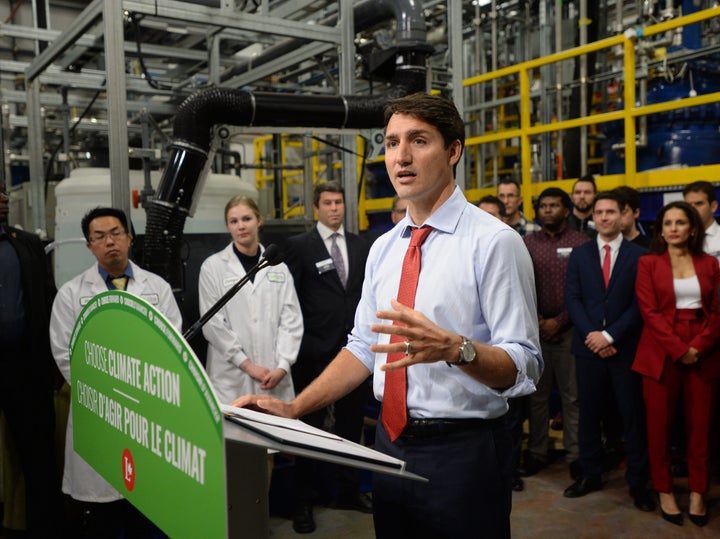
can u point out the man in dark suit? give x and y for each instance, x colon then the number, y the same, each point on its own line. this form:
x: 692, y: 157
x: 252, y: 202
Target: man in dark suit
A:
x: 328, y: 266
x: 27, y: 369
x: 601, y: 302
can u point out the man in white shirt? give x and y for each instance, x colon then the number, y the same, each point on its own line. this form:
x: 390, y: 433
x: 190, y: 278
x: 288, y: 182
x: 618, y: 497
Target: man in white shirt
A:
x: 468, y: 342
x: 701, y: 196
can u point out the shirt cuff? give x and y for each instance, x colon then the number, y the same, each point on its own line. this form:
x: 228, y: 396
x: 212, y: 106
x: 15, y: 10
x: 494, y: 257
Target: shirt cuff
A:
x: 238, y: 359
x: 284, y: 365
x: 608, y: 337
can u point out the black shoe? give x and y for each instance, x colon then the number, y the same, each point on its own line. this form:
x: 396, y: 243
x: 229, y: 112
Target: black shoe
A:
x: 672, y: 518
x: 575, y: 470
x: 303, y: 521
x: 643, y: 499
x: 531, y: 466
x: 359, y: 502
x: 583, y: 486
x: 698, y: 520
x: 518, y: 485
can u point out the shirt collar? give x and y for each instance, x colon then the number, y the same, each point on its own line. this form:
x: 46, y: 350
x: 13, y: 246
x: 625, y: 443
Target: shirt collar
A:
x: 614, y: 244
x: 445, y: 218
x: 325, y: 231
x: 713, y: 229
x: 128, y: 271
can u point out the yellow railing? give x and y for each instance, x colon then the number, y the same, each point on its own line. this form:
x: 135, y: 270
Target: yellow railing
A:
x: 630, y: 112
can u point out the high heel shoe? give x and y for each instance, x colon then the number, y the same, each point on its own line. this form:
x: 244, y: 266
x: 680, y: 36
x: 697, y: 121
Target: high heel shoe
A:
x: 698, y: 520
x: 675, y: 518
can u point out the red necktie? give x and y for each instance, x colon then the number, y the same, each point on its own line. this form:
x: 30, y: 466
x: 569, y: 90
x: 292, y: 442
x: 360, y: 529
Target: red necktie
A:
x: 606, y: 265
x: 394, y: 407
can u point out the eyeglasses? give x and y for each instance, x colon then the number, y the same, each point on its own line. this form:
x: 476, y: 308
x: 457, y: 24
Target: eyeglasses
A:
x: 101, y: 237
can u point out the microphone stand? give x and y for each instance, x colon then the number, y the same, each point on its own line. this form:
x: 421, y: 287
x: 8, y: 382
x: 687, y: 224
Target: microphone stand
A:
x: 192, y: 330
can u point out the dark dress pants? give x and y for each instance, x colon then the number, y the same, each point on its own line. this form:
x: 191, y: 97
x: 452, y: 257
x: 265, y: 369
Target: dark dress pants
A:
x: 595, y: 376
x: 469, y: 490
x: 26, y: 398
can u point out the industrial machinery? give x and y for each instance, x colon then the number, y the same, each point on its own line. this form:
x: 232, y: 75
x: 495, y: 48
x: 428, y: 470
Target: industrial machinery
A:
x: 283, y: 93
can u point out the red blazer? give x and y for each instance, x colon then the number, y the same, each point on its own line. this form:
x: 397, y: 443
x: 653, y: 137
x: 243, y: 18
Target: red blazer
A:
x: 656, y: 298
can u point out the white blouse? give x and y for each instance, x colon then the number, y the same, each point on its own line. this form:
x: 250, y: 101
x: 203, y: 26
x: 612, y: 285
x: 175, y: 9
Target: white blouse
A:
x: 687, y: 293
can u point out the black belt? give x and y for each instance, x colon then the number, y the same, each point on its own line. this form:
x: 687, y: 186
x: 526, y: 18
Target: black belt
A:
x: 429, y: 428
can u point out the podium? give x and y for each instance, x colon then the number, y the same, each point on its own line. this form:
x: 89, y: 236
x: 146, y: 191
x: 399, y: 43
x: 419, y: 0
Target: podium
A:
x: 248, y: 497
x: 147, y: 420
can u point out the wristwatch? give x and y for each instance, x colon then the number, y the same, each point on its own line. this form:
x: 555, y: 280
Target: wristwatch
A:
x: 467, y: 353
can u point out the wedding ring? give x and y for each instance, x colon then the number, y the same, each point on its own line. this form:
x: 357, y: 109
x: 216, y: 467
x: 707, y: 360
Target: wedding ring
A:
x: 408, y: 348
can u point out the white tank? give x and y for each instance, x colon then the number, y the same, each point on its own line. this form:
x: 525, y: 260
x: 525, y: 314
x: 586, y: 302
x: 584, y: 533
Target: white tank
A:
x: 89, y: 187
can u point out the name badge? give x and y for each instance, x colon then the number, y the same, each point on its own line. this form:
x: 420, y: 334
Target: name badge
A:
x: 563, y: 252
x: 275, y: 277
x: 230, y: 281
x: 325, y: 265
x: 152, y: 299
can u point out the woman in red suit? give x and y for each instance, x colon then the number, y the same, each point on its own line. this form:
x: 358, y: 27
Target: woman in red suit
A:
x: 677, y: 289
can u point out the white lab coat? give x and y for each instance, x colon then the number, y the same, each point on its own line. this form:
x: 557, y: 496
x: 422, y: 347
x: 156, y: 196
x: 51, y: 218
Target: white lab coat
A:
x: 79, y: 480
x: 262, y: 322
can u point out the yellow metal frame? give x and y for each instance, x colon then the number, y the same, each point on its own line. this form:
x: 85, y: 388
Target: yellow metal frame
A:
x: 318, y: 168
x: 526, y: 130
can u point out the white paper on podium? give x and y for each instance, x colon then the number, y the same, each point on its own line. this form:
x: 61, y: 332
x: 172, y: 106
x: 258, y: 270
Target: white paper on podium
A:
x: 300, y: 434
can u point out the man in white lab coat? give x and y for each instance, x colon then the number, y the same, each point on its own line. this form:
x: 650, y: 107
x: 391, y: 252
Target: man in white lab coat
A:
x: 105, y: 511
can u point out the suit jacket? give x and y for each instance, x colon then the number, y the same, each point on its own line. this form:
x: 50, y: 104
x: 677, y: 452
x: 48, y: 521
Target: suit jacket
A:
x: 656, y: 297
x: 328, y: 309
x: 38, y: 295
x: 593, y: 308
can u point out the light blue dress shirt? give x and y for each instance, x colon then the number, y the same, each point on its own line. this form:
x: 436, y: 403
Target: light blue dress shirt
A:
x: 477, y: 280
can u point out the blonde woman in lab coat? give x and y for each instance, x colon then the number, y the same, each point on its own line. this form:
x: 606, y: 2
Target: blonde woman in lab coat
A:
x: 254, y: 339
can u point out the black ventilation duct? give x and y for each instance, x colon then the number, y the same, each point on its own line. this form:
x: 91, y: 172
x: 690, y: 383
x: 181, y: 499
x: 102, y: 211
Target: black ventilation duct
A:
x: 197, y: 115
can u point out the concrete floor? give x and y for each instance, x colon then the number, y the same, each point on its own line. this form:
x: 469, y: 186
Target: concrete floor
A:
x: 541, y: 512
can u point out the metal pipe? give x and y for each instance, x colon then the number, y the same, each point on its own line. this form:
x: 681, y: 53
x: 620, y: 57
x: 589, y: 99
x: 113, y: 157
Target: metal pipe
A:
x: 496, y: 146
x: 558, y: 90
x: 583, y: 88
x: 542, y: 157
x: 642, y: 120
x: 410, y: 31
x: 65, y: 113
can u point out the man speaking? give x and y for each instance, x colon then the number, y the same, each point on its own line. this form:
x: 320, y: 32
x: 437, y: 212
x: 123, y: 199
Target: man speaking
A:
x: 447, y: 325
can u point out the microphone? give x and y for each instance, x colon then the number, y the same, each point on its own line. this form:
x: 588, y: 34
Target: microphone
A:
x: 271, y: 256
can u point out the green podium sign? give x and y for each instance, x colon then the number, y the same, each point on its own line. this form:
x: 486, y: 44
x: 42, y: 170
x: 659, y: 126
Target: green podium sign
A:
x: 145, y: 416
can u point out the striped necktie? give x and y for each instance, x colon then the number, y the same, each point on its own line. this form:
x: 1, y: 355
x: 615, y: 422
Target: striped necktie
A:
x: 337, y: 259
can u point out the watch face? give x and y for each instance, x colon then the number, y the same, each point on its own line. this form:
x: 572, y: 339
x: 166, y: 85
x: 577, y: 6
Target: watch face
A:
x: 467, y: 352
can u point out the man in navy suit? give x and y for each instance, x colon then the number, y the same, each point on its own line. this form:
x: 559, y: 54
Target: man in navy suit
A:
x: 601, y: 302
x: 328, y: 266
